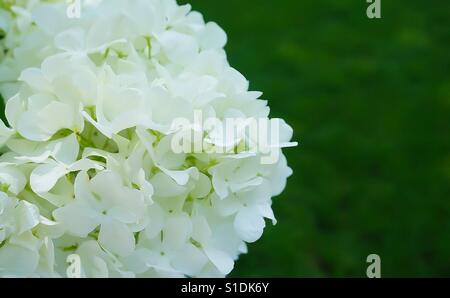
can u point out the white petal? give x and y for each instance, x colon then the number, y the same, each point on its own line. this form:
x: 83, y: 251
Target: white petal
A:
x: 223, y: 262
x: 190, y: 261
x: 71, y: 40
x: 117, y: 238
x: 279, y: 175
x: 43, y: 124
x: 201, y: 231
x: 17, y: 261
x: 177, y: 229
x: 14, y: 108
x: 61, y: 194
x: 181, y: 177
x: 212, y: 37
x: 227, y: 206
x: 179, y: 47
x: 220, y: 186
x: 66, y: 150
x: 45, y: 176
x: 101, y: 36
x: 85, y: 165
x: 14, y: 178
x: 27, y: 216
x: 202, y: 187
x: 249, y: 224
x: 5, y: 133
x: 35, y: 79
x: 266, y: 211
x: 77, y: 218
x: 156, y: 215
x: 50, y: 18
x: 166, y: 187
x: 92, y: 263
x: 246, y: 185
x: 137, y: 261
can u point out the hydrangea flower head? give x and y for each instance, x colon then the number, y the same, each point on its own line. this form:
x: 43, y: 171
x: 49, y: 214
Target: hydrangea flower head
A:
x: 89, y: 166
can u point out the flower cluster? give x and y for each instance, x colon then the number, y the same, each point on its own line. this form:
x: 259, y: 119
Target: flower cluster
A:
x: 87, y: 167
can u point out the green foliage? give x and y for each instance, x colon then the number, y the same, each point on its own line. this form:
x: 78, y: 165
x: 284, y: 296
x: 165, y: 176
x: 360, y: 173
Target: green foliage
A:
x: 369, y: 101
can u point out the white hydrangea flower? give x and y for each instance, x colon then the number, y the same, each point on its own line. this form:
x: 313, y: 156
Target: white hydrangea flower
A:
x: 88, y: 165
x: 25, y: 237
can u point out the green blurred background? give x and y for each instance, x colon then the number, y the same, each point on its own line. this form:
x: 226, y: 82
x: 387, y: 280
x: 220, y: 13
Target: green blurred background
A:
x: 369, y: 101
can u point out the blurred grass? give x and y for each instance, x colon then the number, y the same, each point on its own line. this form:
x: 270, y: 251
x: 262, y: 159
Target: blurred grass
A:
x: 369, y: 101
